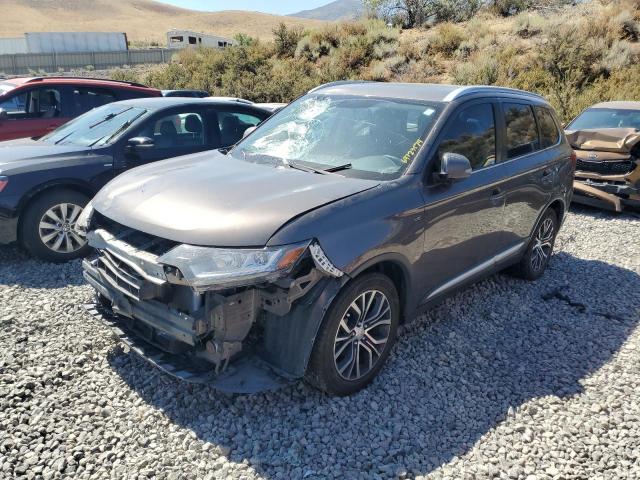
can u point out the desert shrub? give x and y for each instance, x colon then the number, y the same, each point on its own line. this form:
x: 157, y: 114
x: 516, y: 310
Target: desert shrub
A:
x: 427, y: 70
x: 444, y: 39
x: 619, y: 56
x: 482, y: 69
x: 506, y: 8
x: 465, y: 49
x: 286, y: 39
x: 124, y: 75
x: 527, y: 25
x: 626, y: 26
x: 478, y: 26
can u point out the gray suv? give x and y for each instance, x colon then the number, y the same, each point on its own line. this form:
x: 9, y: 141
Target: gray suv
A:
x: 298, y: 252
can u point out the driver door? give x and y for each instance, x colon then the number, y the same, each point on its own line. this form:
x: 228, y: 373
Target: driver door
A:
x: 464, y: 218
x: 173, y: 133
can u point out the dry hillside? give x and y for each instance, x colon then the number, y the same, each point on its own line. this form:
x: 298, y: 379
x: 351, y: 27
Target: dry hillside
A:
x: 142, y: 20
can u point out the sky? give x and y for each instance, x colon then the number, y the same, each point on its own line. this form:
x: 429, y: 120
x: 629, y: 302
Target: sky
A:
x: 280, y: 7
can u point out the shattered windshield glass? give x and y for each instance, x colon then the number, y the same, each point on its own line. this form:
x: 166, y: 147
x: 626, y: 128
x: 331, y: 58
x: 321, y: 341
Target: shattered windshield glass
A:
x: 358, y: 137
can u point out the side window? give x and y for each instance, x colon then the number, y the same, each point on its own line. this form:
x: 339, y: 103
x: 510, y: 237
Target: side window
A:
x: 549, y: 134
x: 178, y: 130
x: 472, y: 133
x: 85, y: 99
x: 16, y: 105
x: 522, y: 132
x: 45, y: 103
x: 233, y: 125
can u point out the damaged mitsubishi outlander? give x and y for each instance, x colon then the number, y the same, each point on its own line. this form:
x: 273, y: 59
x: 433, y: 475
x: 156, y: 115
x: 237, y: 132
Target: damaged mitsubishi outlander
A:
x: 298, y: 252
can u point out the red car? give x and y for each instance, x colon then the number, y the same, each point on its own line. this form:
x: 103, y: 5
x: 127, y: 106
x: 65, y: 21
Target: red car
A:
x: 34, y: 106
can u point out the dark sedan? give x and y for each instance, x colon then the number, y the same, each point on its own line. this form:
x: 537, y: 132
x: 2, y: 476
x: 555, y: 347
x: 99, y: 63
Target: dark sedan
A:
x: 45, y: 183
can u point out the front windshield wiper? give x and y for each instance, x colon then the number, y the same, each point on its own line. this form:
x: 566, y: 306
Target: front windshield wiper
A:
x: 339, y: 168
x: 110, y: 116
x: 63, y: 138
x: 120, y: 129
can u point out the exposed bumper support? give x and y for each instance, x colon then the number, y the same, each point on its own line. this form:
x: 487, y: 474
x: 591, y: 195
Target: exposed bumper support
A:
x: 246, y: 375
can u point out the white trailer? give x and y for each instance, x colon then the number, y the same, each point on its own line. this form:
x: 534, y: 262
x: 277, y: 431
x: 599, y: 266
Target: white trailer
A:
x: 188, y: 38
x: 75, y: 42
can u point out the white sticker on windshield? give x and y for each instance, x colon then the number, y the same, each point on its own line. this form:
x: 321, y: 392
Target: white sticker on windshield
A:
x: 428, y: 112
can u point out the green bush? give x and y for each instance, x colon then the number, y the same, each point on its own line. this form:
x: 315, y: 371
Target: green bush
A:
x: 483, y: 69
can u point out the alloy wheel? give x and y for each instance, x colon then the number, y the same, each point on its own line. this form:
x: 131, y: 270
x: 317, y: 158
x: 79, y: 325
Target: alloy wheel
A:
x: 543, y: 245
x: 362, y: 335
x: 56, y: 228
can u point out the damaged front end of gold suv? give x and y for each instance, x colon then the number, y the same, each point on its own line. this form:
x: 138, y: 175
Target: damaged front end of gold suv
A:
x: 608, y: 167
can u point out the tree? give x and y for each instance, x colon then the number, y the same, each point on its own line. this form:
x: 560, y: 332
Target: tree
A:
x: 414, y: 13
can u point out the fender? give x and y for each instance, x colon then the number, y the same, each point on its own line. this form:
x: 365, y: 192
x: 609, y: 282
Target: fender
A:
x: 72, y: 183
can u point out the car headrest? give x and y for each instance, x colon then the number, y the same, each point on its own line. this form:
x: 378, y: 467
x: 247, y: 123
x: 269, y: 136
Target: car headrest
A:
x: 193, y: 124
x: 168, y: 128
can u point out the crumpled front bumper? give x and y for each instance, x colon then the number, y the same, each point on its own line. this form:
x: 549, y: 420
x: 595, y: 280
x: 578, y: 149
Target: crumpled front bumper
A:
x: 164, y: 339
x: 608, y: 190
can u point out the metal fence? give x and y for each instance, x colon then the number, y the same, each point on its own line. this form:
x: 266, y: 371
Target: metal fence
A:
x: 19, y: 63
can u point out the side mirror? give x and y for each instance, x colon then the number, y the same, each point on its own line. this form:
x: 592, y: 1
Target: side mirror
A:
x: 453, y: 166
x: 139, y: 142
x: 3, y: 114
x: 249, y: 131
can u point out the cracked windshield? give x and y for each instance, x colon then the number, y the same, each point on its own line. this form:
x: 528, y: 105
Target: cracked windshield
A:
x: 358, y: 137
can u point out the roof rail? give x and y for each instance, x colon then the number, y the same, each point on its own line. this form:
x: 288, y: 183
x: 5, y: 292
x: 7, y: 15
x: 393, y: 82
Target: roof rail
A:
x: 62, y: 77
x: 338, y: 83
x: 470, y: 90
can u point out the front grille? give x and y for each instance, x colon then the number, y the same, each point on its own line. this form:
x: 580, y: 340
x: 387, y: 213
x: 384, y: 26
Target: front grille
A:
x: 121, y: 275
x: 140, y: 240
x: 606, y: 167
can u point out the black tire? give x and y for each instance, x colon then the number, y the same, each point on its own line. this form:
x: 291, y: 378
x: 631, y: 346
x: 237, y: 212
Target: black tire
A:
x: 529, y: 268
x: 30, y: 232
x: 323, y: 371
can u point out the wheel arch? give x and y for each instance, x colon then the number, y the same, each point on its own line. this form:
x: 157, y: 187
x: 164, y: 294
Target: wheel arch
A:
x: 44, y: 188
x: 395, y: 267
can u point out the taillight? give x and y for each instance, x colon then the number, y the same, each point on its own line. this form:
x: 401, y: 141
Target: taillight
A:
x: 4, y: 181
x: 574, y: 159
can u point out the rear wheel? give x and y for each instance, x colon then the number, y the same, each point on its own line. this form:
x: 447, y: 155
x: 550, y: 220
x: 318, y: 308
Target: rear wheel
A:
x: 535, y: 260
x: 47, y: 227
x: 356, y: 336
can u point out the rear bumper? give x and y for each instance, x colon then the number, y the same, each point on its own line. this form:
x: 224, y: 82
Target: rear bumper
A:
x: 8, y: 229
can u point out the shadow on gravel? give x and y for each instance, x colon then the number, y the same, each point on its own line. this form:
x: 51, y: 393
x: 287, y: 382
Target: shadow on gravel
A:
x: 455, y: 374
x: 18, y: 268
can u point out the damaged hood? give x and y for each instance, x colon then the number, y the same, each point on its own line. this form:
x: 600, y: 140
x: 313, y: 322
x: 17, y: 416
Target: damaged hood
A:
x: 618, y: 140
x: 210, y: 199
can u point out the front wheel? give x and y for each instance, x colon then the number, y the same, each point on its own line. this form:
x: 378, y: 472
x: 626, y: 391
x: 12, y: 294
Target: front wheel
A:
x: 535, y: 260
x: 356, y: 336
x: 47, y: 228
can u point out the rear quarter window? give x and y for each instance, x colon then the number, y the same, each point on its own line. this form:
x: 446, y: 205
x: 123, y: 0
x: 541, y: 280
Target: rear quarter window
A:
x: 522, y: 130
x: 549, y: 132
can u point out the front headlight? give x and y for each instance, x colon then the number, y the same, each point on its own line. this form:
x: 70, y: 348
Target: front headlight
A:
x: 84, y: 220
x: 204, y: 267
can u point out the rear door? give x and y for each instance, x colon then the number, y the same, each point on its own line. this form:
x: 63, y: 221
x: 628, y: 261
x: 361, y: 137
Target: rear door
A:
x: 464, y: 218
x: 35, y: 112
x: 83, y: 99
x: 531, y: 134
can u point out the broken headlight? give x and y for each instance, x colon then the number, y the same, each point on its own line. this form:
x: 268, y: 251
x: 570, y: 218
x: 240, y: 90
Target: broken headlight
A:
x: 84, y: 220
x: 204, y: 267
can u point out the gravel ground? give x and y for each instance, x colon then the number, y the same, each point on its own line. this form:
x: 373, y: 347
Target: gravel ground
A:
x: 506, y: 380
